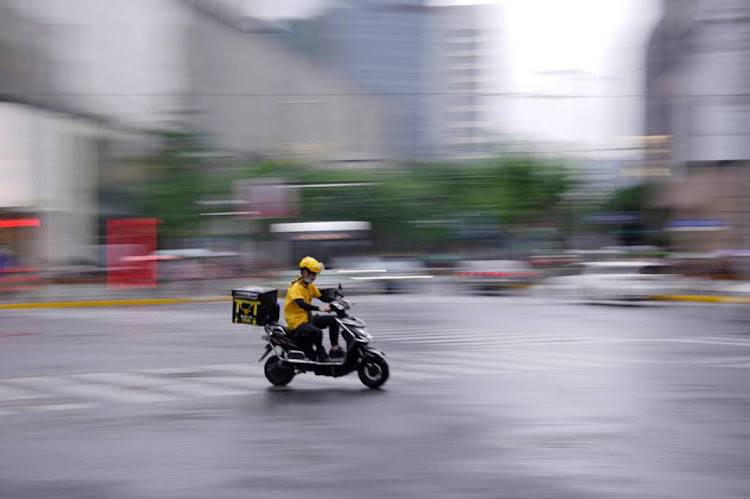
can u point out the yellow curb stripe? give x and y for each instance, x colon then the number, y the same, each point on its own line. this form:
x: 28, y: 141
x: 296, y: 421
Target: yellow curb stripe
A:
x: 170, y: 301
x: 704, y: 298
x: 114, y: 303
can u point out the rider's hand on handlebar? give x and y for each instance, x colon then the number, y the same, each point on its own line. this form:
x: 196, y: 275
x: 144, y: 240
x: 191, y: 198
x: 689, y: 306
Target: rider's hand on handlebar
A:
x: 325, y: 308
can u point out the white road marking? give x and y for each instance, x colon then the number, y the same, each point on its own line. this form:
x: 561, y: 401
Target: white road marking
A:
x: 75, y: 387
x: 248, y: 384
x: 169, y: 370
x: 695, y: 341
x: 489, y: 341
x: 517, y: 338
x: 504, y: 361
x: 454, y: 336
x: 64, y: 407
x: 16, y: 393
x: 485, y: 353
x: 448, y: 369
x: 140, y: 381
x: 418, y: 376
x: 249, y: 369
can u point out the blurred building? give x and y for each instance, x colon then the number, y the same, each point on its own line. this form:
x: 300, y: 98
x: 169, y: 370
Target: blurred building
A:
x: 468, y: 86
x: 251, y: 94
x: 25, y: 59
x: 698, y: 120
x: 435, y: 67
x: 98, y: 65
x: 52, y: 162
x: 57, y: 141
x: 82, y: 98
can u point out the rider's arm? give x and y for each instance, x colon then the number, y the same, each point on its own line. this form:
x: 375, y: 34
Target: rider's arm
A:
x: 305, y: 306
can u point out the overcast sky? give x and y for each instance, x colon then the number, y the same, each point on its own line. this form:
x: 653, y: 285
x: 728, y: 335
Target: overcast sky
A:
x: 590, y: 48
x: 594, y: 48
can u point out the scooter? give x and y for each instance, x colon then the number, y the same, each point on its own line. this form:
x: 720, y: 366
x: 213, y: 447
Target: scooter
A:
x: 289, y: 358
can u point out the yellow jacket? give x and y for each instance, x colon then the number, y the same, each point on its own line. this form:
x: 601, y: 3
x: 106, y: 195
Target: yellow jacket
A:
x: 294, y: 315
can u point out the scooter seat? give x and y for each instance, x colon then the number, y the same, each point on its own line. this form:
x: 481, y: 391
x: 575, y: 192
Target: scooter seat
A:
x: 279, y: 328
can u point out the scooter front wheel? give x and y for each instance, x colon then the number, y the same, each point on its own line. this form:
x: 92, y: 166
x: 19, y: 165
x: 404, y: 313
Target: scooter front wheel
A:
x: 373, y: 372
x: 278, y: 372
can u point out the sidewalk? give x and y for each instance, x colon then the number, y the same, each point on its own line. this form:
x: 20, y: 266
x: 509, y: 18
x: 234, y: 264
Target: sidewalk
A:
x: 62, y: 295
x: 77, y: 295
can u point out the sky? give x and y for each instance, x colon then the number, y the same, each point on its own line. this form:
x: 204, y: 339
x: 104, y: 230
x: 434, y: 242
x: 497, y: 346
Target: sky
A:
x: 554, y: 49
x: 544, y: 35
x: 570, y: 35
x: 594, y: 48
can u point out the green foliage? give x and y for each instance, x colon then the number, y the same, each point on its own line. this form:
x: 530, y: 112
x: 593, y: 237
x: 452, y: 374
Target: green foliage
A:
x: 631, y: 198
x: 427, y: 201
x: 174, y: 183
x: 420, y: 202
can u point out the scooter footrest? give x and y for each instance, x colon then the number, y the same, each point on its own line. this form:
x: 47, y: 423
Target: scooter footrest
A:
x: 295, y: 355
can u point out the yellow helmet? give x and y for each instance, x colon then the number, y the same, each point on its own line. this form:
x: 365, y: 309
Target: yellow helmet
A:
x: 311, y: 264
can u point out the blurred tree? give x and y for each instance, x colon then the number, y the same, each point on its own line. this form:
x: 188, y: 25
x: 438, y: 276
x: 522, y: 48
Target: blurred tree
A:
x: 630, y: 200
x: 420, y: 204
x: 529, y: 190
x: 174, y: 182
x: 413, y: 206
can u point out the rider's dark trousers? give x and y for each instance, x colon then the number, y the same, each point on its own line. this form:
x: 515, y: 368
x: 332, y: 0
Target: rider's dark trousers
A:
x: 328, y: 321
x: 307, y: 336
x: 310, y: 333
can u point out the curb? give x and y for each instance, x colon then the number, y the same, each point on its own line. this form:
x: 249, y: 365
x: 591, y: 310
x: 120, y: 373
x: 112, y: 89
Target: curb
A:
x: 704, y: 298
x: 208, y: 299
x: 114, y: 303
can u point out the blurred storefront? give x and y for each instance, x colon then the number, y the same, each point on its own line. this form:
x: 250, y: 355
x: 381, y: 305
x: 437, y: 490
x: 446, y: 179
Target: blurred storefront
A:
x: 58, y: 146
x: 698, y: 83
x: 325, y: 240
x: 52, y: 163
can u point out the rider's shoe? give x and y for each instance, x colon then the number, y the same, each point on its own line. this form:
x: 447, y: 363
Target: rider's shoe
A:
x: 323, y: 356
x: 336, y: 354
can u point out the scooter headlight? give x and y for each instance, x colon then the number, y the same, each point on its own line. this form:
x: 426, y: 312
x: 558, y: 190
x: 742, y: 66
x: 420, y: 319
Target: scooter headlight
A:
x: 363, y: 331
x: 357, y: 332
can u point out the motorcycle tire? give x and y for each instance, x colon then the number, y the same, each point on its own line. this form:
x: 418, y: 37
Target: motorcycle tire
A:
x: 373, y: 372
x: 279, y: 373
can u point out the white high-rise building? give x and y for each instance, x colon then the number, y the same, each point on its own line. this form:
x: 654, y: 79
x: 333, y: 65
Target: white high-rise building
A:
x: 434, y: 66
x: 466, y: 43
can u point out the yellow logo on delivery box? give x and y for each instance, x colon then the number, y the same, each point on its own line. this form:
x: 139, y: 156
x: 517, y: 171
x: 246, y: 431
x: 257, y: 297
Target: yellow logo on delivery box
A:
x: 246, y: 311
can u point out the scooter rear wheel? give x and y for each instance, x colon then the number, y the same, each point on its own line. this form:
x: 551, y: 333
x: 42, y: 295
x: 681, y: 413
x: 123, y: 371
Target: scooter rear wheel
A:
x: 373, y: 372
x: 279, y: 373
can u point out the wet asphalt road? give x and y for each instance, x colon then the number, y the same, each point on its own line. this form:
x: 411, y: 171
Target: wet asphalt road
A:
x: 516, y: 397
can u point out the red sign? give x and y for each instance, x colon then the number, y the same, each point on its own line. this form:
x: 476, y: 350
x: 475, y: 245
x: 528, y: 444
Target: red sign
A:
x: 128, y: 240
x: 19, y: 222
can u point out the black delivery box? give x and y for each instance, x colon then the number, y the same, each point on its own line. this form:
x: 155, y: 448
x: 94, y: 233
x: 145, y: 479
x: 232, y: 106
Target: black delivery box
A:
x: 254, y: 305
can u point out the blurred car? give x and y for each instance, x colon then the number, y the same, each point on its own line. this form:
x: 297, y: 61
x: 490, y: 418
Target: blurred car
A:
x: 75, y: 271
x: 16, y: 279
x: 375, y: 274
x: 616, y: 280
x: 485, y: 276
x: 191, y: 263
x: 738, y: 290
